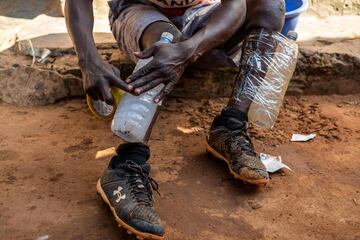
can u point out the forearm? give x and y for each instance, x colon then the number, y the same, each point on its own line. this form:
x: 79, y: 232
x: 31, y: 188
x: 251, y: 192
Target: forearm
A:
x: 223, y: 23
x: 80, y: 21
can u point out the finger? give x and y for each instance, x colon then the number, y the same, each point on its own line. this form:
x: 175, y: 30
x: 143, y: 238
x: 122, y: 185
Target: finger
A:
x: 152, y: 84
x: 145, y: 70
x: 164, y: 92
x: 89, y: 90
x: 92, y: 94
x: 106, y: 95
x: 144, y: 80
x: 116, y: 81
x: 147, y: 52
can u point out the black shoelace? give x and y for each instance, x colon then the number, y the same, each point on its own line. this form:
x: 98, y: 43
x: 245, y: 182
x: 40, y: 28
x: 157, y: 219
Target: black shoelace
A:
x: 241, y: 138
x: 141, y: 183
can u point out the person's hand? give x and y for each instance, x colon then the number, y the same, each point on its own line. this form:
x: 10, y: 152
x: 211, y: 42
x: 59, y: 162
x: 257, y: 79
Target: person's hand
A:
x: 98, y: 77
x: 167, y: 66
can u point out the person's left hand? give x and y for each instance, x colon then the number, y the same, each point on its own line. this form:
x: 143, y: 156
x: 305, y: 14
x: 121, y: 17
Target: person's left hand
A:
x: 167, y: 66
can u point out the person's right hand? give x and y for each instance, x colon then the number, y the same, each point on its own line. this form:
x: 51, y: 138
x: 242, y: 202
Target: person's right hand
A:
x: 98, y: 77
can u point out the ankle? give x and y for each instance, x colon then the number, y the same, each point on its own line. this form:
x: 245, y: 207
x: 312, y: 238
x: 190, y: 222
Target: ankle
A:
x: 234, y: 112
x: 241, y: 103
x: 137, y: 152
x: 230, y: 118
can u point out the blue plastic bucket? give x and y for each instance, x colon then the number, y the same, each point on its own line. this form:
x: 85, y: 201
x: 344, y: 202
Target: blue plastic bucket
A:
x: 293, y: 10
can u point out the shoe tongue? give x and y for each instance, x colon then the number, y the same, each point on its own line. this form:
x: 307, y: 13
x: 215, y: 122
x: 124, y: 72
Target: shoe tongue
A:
x: 146, y: 168
x: 235, y: 124
x: 129, y: 164
x: 136, y: 152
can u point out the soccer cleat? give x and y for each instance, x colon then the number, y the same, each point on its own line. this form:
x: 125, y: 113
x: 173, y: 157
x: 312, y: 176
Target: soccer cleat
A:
x: 127, y: 190
x: 231, y: 143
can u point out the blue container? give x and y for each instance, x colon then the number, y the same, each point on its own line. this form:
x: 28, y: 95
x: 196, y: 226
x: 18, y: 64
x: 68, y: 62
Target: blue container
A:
x: 293, y: 10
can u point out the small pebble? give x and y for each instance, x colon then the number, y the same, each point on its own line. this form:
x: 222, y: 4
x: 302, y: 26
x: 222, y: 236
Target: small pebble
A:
x: 254, y: 204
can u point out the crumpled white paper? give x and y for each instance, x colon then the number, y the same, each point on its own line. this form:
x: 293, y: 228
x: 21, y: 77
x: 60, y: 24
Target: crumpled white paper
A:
x: 272, y: 163
x: 45, y: 237
x: 302, y: 137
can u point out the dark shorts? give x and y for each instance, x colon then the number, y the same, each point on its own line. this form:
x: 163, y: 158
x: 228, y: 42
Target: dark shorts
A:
x: 129, y: 18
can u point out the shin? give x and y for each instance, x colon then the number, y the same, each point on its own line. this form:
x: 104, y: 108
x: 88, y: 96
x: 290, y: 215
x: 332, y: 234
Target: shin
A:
x: 153, y: 32
x: 264, y: 21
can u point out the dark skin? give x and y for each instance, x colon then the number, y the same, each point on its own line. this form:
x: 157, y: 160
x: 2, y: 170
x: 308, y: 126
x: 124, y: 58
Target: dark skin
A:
x: 169, y: 61
x: 230, y: 23
x: 98, y: 75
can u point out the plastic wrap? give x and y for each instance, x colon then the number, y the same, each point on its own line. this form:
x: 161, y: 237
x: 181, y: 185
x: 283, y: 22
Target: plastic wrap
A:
x: 135, y: 115
x: 266, y: 67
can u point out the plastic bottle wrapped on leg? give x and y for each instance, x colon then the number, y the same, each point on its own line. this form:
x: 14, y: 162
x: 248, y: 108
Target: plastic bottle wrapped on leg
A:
x: 133, y: 118
x: 269, y: 76
x: 135, y: 114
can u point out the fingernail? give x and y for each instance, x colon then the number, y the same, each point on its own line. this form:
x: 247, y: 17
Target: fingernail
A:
x: 136, y: 53
x: 127, y: 80
x: 130, y: 87
x: 137, y: 91
x: 156, y: 100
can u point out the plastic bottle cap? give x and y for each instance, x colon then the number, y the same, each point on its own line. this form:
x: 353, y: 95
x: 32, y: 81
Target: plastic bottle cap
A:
x: 168, y: 37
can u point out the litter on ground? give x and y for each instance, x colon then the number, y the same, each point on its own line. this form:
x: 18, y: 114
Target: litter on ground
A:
x: 272, y: 163
x: 302, y: 137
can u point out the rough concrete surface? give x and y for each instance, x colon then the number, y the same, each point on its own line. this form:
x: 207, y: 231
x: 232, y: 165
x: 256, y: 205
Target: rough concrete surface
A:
x: 321, y: 64
x: 30, y: 86
x: 325, y: 8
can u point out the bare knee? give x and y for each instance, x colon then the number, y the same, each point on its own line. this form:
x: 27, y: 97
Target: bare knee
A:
x: 153, y: 32
x: 268, y: 14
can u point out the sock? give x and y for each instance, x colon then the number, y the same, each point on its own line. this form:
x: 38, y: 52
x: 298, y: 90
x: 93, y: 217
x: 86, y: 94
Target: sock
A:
x: 139, y: 153
x: 234, y: 113
x: 230, y: 118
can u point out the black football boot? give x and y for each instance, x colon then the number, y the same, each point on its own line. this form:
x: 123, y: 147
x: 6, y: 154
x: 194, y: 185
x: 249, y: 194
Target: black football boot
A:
x: 229, y: 141
x: 127, y: 188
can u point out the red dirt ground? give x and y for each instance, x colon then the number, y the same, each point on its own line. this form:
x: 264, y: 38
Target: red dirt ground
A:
x: 49, y: 170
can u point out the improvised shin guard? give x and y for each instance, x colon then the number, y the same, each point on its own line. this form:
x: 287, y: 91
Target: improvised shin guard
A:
x: 266, y: 66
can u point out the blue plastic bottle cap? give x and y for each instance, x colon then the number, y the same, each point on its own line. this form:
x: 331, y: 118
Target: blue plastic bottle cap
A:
x: 167, y: 37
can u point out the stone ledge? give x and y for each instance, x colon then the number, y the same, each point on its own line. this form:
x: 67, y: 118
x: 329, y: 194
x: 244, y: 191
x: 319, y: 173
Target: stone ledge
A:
x: 31, y: 86
x: 318, y: 71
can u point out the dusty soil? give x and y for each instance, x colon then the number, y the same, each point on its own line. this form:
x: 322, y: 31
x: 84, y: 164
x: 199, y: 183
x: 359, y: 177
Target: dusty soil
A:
x: 52, y: 156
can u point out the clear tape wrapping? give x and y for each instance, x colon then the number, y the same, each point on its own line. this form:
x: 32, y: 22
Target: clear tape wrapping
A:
x: 267, y: 65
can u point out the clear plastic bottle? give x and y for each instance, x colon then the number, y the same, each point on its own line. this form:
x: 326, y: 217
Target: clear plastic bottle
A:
x: 135, y: 114
x: 269, y: 95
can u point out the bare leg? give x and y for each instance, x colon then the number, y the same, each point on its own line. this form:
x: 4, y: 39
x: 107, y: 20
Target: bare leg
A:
x: 153, y: 32
x: 150, y: 36
x: 228, y: 138
x: 126, y: 186
x: 263, y: 18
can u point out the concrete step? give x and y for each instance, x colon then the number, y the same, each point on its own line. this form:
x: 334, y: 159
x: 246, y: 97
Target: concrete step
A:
x: 324, y: 67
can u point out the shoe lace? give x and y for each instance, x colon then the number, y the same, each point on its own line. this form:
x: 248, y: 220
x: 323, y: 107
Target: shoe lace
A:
x: 141, y: 183
x: 242, y: 139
